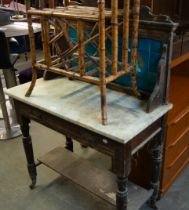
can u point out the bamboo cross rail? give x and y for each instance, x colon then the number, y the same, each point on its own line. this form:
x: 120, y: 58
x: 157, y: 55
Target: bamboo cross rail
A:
x: 80, y: 28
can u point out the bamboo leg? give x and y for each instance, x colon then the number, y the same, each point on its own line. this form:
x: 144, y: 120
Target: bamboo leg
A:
x: 114, y: 36
x: 134, y: 45
x: 102, y: 48
x: 33, y: 51
x: 81, y: 47
x: 125, y: 49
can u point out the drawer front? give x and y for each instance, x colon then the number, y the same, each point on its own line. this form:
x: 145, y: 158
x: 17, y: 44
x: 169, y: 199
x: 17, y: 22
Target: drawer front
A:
x: 174, y: 150
x: 176, y: 128
x: 172, y: 171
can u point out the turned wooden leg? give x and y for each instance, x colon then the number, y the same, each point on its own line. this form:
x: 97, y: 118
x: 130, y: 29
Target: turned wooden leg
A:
x: 69, y: 144
x: 156, y: 169
x: 122, y: 193
x: 28, y: 148
x: 157, y: 156
x: 122, y: 167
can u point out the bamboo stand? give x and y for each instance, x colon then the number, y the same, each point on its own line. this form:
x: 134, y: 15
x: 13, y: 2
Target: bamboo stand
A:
x: 80, y: 18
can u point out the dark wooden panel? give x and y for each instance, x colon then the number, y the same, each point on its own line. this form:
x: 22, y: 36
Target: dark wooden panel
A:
x: 166, y: 7
x: 177, y: 9
x: 100, y: 182
x: 147, y: 2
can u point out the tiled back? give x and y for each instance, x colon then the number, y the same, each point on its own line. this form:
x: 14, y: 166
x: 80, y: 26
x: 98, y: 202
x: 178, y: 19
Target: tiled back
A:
x: 149, y: 53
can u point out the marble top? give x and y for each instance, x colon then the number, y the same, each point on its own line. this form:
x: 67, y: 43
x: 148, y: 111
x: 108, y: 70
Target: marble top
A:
x: 79, y: 102
x: 19, y: 29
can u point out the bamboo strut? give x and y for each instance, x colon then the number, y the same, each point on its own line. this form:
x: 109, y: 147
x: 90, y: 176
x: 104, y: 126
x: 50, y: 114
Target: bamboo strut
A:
x: 93, y: 29
x: 119, y: 74
x: 61, y: 27
x: 56, y: 13
x: 102, y: 49
x: 92, y: 72
x: 33, y: 51
x: 66, y: 34
x: 114, y: 23
x: 68, y: 74
x: 80, y: 32
x: 45, y: 40
x: 58, y: 51
x: 64, y: 27
x: 57, y: 37
x: 90, y: 14
x: 59, y: 59
x: 74, y: 69
x: 88, y: 41
x: 125, y: 49
x: 95, y: 44
x: 134, y: 45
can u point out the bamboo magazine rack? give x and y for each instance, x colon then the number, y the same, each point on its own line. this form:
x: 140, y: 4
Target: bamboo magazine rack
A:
x: 92, y: 26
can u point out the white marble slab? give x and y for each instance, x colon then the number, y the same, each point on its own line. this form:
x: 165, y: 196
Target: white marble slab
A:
x: 79, y: 102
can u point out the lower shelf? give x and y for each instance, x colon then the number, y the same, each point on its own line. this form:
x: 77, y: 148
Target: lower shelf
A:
x: 100, y: 182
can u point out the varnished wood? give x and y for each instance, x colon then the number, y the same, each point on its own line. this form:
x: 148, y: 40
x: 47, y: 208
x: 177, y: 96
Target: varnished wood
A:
x: 72, y: 167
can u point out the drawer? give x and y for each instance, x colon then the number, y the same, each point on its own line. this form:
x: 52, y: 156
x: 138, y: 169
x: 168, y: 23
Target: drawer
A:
x: 171, y: 171
x: 173, y: 151
x: 177, y: 127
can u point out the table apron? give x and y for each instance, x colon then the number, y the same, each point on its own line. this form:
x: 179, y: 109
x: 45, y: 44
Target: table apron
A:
x: 74, y: 131
x: 83, y: 135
